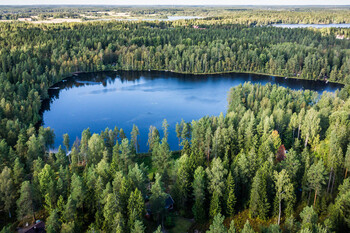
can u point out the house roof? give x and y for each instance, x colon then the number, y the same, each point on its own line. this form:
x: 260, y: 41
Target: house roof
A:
x: 169, y: 201
x: 38, y: 227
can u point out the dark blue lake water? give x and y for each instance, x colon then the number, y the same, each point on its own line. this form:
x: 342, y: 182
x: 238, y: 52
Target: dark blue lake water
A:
x: 109, y: 99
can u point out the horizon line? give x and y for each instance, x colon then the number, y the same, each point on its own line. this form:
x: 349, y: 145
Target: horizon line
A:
x: 193, y: 5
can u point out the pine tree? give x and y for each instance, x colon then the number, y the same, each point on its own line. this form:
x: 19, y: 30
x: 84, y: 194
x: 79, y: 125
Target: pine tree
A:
x: 183, y: 182
x: 218, y: 225
x: 259, y: 205
x: 7, y: 190
x: 134, y: 139
x: 153, y: 138
x: 109, y: 212
x: 230, y: 198
x: 161, y: 158
x: 284, y: 190
x: 66, y: 141
x: 159, y: 230
x: 78, y: 191
x: 316, y: 178
x: 138, y: 227
x: 70, y: 211
x: 310, y: 127
x: 215, y: 205
x: 25, y: 205
x: 18, y: 172
x: 216, y: 176
x: 53, y: 224
x: 247, y: 228
x: 136, y: 207
x: 157, y: 199
x: 199, y: 183
x: 309, y: 218
x: 232, y: 228
x: 165, y: 127
x: 347, y: 161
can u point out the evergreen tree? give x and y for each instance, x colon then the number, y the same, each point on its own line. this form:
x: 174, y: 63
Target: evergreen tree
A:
x: 218, y: 225
x: 18, y: 172
x: 309, y: 219
x: 159, y: 230
x: 284, y: 191
x: 232, y: 228
x: 53, y: 224
x: 310, y: 127
x: 109, y: 212
x: 78, y: 191
x: 216, y: 176
x: 215, y: 205
x: 70, y: 210
x: 183, y: 182
x: 316, y: 178
x: 247, y: 228
x: 138, y: 227
x: 161, y: 158
x: 7, y: 190
x: 157, y: 199
x: 136, y: 208
x: 347, y: 161
x: 66, y: 141
x: 134, y: 138
x: 259, y: 205
x: 25, y: 205
x: 230, y: 198
x: 199, y: 184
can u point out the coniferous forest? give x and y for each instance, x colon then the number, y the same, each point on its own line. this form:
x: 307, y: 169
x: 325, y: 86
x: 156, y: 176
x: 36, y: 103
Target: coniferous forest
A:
x: 277, y: 161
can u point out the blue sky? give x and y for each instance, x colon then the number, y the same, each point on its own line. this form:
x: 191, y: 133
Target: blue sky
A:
x: 177, y: 2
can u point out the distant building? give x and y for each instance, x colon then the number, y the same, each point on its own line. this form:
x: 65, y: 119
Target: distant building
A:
x: 169, y: 203
x: 197, y: 27
x: 340, y: 37
x: 25, y: 19
x: 38, y: 227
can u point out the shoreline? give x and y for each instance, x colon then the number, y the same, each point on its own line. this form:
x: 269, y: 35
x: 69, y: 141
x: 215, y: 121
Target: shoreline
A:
x: 202, y: 74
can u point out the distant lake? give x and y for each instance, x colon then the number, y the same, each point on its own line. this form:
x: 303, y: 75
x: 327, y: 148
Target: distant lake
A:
x: 109, y: 99
x: 169, y: 18
x: 340, y: 25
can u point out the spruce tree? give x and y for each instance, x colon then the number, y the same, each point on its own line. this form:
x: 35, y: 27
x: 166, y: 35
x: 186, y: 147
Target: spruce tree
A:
x: 229, y: 197
x: 199, y: 183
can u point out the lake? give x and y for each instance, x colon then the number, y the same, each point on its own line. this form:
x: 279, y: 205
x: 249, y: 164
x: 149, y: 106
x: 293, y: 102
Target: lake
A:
x: 109, y: 99
x: 337, y: 25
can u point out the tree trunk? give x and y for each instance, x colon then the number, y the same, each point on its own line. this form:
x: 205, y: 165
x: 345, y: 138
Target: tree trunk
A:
x: 329, y: 180
x: 280, y: 210
x: 306, y: 140
x: 298, y: 131
x: 346, y: 173
x: 208, y: 155
x: 315, y: 197
x: 333, y: 183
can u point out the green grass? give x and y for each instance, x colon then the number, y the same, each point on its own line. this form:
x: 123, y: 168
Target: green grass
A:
x: 181, y: 225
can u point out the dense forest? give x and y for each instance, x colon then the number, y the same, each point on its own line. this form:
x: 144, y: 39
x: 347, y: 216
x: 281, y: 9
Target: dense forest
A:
x: 278, y: 159
x: 248, y: 15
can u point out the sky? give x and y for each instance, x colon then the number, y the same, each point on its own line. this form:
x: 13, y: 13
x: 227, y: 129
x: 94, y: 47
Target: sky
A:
x: 175, y: 2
